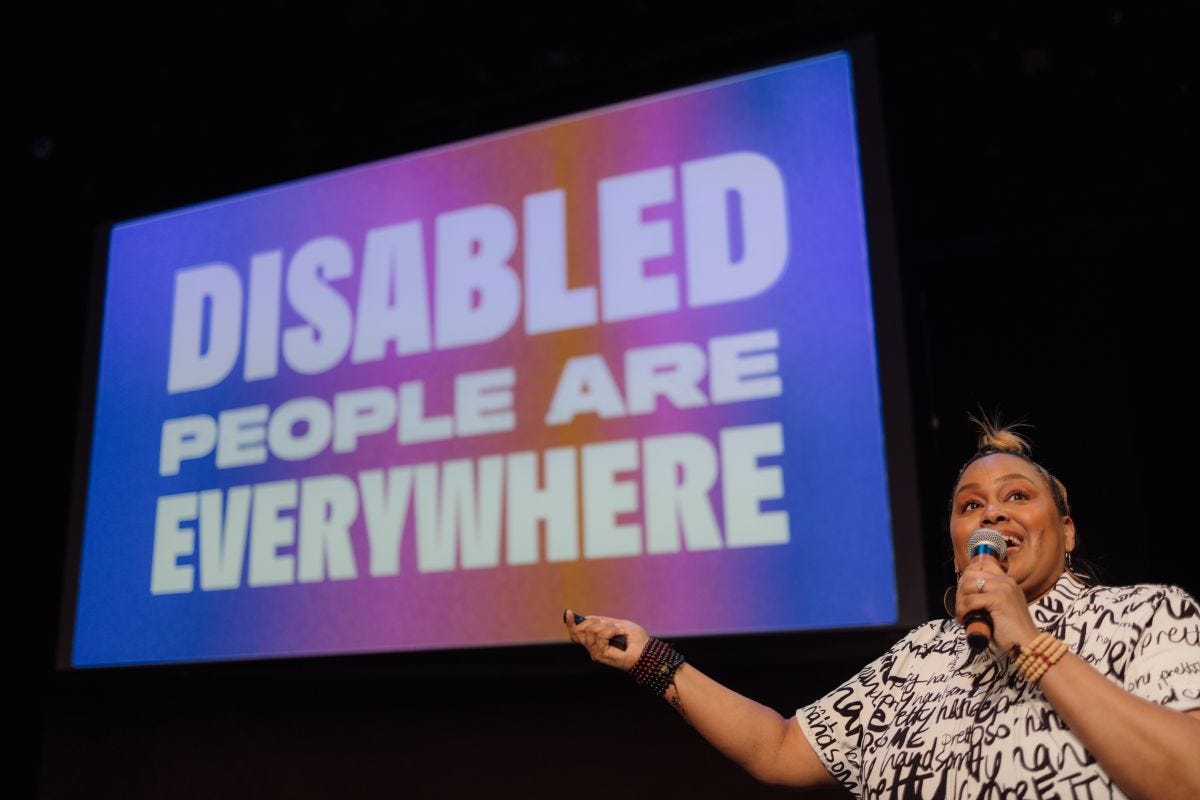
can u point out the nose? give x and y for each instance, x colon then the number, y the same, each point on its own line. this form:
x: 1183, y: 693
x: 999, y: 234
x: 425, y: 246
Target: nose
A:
x: 993, y: 513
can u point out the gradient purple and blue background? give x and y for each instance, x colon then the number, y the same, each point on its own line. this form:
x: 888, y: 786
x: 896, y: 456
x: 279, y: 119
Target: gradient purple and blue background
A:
x: 837, y: 569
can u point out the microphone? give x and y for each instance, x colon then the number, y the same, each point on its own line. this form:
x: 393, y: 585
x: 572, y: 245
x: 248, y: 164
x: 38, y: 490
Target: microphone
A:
x: 983, y: 543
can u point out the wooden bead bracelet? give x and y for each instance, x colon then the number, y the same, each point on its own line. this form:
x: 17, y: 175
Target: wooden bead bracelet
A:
x: 1032, y: 661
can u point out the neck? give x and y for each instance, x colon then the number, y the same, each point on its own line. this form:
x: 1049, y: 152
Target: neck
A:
x: 1035, y: 593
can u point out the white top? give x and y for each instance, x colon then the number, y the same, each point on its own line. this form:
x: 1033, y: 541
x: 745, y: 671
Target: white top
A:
x: 925, y: 721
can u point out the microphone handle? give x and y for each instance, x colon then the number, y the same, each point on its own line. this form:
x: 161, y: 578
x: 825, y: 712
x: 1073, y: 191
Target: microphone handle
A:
x: 979, y: 622
x: 979, y: 629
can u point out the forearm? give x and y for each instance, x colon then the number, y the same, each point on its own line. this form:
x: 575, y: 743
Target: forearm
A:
x: 1147, y: 749
x: 772, y: 749
x: 766, y: 745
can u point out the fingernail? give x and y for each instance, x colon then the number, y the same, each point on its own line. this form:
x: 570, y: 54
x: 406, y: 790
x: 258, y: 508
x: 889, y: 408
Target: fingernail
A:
x: 564, y: 615
x: 579, y: 618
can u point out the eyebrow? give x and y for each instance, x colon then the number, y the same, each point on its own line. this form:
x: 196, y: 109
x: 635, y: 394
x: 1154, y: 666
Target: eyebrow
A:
x: 1001, y: 479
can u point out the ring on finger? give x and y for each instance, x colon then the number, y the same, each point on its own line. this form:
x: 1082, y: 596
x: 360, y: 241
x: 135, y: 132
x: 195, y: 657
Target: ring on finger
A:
x: 979, y: 584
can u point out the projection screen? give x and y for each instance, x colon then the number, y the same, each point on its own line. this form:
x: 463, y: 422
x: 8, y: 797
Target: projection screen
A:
x: 624, y: 361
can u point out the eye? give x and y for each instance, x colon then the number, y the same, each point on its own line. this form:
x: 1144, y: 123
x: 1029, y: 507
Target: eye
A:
x: 1018, y: 494
x: 970, y: 505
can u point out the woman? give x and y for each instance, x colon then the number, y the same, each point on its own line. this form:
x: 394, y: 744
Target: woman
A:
x: 1086, y: 691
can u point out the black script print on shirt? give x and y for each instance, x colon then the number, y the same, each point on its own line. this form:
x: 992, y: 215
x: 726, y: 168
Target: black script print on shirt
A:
x: 925, y: 720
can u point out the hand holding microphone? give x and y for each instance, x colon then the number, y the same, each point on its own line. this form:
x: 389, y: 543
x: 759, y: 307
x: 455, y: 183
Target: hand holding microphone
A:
x: 983, y: 544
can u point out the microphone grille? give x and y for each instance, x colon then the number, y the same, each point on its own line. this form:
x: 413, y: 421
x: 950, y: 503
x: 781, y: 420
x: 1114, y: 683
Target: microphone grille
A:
x: 989, y: 537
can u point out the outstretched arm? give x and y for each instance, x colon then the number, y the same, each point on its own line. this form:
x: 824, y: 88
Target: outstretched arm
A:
x: 769, y: 747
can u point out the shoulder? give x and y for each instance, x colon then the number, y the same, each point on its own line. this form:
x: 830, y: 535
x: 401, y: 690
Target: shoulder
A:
x: 927, y: 648
x: 938, y: 637
x: 930, y: 643
x: 1141, y: 597
x: 1139, y: 605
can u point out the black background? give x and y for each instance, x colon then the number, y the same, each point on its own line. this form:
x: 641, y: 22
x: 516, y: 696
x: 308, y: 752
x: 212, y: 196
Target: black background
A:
x: 1041, y: 176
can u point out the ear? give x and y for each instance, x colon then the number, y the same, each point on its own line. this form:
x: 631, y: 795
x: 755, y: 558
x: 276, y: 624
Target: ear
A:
x: 1068, y: 534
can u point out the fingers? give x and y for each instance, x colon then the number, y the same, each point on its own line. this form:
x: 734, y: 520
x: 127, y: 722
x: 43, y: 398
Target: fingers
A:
x: 982, y: 589
x: 594, y: 624
x: 987, y: 564
x: 1002, y: 598
x: 971, y: 601
x: 595, y: 633
x: 970, y: 582
x: 613, y: 642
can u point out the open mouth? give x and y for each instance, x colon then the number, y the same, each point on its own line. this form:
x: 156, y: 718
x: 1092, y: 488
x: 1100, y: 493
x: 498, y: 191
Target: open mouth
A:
x: 1012, y: 543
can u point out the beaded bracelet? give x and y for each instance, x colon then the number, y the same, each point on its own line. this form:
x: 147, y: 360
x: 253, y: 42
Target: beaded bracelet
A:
x: 1032, y: 661
x: 655, y: 668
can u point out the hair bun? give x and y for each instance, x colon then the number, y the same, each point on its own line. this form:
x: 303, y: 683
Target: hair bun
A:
x: 997, y: 438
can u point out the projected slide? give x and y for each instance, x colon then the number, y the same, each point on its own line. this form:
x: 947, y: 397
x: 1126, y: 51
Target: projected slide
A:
x: 622, y: 361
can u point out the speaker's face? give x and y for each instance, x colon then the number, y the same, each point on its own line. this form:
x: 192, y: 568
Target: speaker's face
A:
x: 1007, y: 494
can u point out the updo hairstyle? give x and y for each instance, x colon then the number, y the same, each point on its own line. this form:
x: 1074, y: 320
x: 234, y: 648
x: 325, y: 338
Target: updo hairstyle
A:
x: 995, y: 438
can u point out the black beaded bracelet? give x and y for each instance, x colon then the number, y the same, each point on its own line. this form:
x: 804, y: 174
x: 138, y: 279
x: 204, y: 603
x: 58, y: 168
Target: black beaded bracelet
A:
x: 655, y: 668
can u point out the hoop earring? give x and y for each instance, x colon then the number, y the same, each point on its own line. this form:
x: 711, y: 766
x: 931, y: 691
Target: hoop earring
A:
x: 946, y: 601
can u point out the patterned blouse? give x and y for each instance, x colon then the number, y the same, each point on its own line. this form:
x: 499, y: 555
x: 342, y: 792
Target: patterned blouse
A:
x: 926, y: 721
